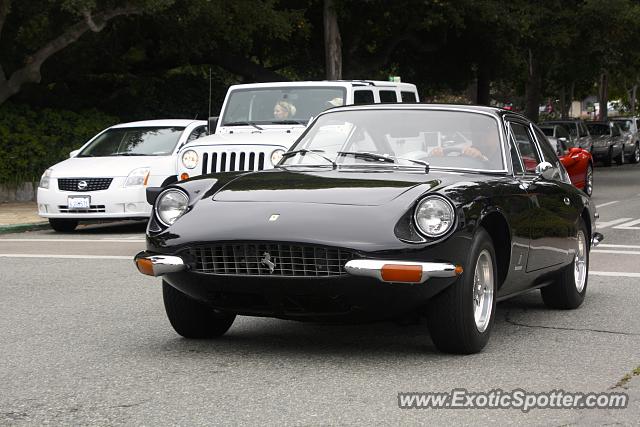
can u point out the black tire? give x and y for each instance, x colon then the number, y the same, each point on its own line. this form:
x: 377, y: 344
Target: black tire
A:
x: 191, y: 318
x: 609, y: 158
x: 635, y: 156
x: 564, y: 293
x: 588, y: 180
x: 63, y: 225
x: 450, y: 315
x: 620, y: 157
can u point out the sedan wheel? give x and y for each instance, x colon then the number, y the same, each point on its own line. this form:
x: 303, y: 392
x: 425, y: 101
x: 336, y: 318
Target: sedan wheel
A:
x: 635, y: 157
x: 609, y: 157
x: 620, y: 158
x: 570, y: 287
x: 460, y: 318
x: 588, y: 181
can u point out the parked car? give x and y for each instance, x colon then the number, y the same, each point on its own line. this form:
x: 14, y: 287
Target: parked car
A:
x: 629, y: 127
x: 577, y: 161
x: 608, y: 142
x: 375, y: 212
x: 260, y: 121
x: 106, y: 178
x: 578, y: 131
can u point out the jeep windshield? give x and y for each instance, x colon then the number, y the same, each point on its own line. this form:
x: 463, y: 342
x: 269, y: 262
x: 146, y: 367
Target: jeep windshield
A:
x: 279, y: 105
x: 142, y: 141
x: 400, y: 137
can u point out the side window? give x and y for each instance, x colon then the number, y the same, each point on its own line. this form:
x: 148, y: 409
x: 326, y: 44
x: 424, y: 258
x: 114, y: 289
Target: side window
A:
x: 388, y: 96
x: 363, y: 97
x: 408, y: 96
x: 548, y: 152
x: 515, y: 158
x: 583, y: 130
x: 198, y: 132
x: 526, y: 147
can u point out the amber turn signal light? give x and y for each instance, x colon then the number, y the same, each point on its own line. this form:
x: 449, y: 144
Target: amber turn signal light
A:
x: 184, y: 176
x: 401, y: 273
x: 145, y: 266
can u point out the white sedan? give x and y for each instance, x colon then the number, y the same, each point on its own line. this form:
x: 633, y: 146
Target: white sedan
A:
x: 107, y: 176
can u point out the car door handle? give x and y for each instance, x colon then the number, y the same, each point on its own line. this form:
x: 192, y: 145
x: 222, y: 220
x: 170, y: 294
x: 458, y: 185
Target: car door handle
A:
x: 567, y: 201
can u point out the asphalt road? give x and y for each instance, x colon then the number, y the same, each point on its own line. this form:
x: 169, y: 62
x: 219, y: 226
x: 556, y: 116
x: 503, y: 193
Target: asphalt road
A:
x: 84, y: 340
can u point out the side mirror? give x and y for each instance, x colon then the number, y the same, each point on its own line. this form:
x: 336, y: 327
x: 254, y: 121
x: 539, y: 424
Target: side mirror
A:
x: 546, y: 170
x: 74, y: 153
x: 562, y: 139
x: 212, y: 123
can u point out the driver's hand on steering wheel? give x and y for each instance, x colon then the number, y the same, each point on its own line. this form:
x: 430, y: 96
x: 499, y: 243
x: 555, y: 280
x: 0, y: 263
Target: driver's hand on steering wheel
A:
x: 475, y: 153
x: 436, y: 152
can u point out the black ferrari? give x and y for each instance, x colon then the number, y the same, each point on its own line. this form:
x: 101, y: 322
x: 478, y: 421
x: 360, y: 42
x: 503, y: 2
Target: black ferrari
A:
x: 374, y: 213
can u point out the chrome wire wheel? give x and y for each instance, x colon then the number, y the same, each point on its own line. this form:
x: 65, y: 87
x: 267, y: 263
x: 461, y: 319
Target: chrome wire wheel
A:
x: 483, y: 283
x: 580, y: 262
x: 588, y: 181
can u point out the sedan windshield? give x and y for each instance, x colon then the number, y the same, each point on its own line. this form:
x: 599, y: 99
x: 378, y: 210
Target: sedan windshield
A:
x: 142, y: 141
x: 598, y: 130
x: 380, y: 138
x: 625, y: 125
x: 279, y: 105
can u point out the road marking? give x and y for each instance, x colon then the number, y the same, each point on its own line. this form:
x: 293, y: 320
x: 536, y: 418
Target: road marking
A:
x: 76, y: 240
x: 610, y: 223
x: 602, y: 205
x: 611, y: 251
x: 613, y: 274
x: 66, y: 256
x: 609, y: 245
x: 629, y: 225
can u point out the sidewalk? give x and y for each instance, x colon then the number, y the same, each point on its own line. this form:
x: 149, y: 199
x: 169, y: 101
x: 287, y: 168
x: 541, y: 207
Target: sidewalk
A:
x: 20, y: 216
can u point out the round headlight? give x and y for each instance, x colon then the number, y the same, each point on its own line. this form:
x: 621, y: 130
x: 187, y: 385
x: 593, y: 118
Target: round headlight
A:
x: 189, y: 159
x: 171, y: 205
x: 276, y: 156
x: 434, y: 216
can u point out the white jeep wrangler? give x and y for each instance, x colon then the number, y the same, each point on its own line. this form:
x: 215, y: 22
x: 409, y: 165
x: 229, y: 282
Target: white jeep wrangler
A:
x: 259, y: 122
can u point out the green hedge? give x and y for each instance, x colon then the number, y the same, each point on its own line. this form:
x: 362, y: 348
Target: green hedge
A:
x: 31, y: 141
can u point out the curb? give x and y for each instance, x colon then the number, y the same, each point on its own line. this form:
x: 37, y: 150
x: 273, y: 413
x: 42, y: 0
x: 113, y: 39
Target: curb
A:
x: 20, y: 228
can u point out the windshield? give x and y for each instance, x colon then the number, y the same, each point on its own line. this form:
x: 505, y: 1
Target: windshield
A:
x: 143, y: 141
x: 625, y: 125
x: 447, y: 139
x: 598, y: 129
x: 288, y: 105
x: 547, y: 131
x: 571, y: 128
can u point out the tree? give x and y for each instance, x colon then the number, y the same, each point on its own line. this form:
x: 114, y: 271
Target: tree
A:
x: 78, y: 17
x: 332, y: 42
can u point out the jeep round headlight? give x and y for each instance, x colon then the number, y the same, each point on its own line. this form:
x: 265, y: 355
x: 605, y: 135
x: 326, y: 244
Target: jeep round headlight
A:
x: 171, y: 205
x: 434, y: 216
x: 276, y: 156
x: 189, y: 159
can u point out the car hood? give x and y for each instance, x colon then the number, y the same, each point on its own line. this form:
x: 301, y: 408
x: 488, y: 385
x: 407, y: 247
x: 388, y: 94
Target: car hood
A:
x: 114, y: 166
x: 601, y: 140
x: 337, y: 187
x: 283, y: 137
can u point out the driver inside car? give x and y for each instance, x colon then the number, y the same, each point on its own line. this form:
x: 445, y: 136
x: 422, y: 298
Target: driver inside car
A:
x: 485, y: 147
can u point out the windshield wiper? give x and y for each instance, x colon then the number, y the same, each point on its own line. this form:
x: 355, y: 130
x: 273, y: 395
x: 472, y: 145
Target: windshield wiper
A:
x: 289, y: 122
x: 243, y: 124
x: 384, y: 158
x: 305, y: 151
x: 129, y: 154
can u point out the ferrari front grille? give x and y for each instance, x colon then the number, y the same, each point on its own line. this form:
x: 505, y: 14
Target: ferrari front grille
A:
x: 270, y: 259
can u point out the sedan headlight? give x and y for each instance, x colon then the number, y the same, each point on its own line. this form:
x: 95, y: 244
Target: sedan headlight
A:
x: 171, y: 205
x: 434, y: 216
x: 276, y: 156
x: 190, y: 159
x: 137, y: 177
x: 44, y: 180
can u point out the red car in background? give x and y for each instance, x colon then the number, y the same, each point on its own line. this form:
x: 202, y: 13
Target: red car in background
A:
x: 577, y: 161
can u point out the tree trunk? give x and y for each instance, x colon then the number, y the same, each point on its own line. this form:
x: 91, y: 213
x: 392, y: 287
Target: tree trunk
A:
x: 634, y: 91
x: 332, y: 42
x: 532, y: 89
x: 563, y: 103
x: 30, y: 72
x: 483, y: 97
x: 603, y: 95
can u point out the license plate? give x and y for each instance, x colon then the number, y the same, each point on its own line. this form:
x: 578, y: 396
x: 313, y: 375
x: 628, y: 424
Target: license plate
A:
x: 79, y: 202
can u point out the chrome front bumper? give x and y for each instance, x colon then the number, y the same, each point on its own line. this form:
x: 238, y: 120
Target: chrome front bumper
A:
x: 401, y: 271
x: 157, y: 265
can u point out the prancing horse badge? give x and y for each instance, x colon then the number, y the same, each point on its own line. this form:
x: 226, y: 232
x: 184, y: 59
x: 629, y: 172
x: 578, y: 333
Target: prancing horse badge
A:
x: 267, y: 261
